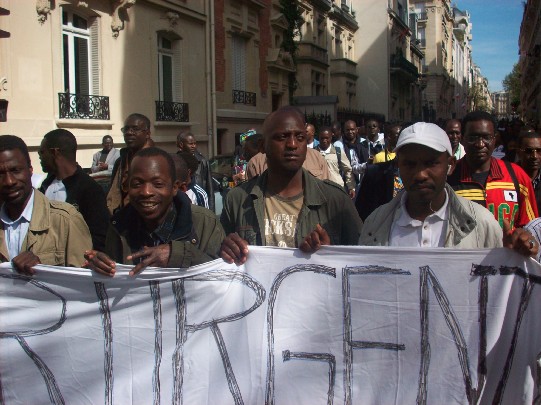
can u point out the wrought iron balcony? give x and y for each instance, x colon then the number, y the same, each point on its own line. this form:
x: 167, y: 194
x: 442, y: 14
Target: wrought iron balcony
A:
x: 244, y: 97
x: 171, y: 111
x: 399, y: 64
x: 81, y: 106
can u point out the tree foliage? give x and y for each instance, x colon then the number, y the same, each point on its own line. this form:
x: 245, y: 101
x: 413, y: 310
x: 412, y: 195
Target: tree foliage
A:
x: 478, y: 98
x: 291, y: 11
x: 511, y: 84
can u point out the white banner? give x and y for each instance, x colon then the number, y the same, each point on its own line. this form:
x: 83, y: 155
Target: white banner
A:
x: 348, y: 325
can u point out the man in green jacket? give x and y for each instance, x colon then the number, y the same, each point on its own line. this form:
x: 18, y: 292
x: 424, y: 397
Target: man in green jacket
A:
x: 35, y: 230
x: 286, y: 203
x: 159, y: 227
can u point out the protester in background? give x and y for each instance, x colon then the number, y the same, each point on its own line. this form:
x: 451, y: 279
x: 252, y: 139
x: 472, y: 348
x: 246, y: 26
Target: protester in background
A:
x: 310, y: 135
x: 250, y: 143
x: 105, y: 159
x: 391, y: 137
x: 203, y: 176
x: 381, y: 181
x: 194, y: 191
x: 136, y: 132
x: 34, y: 229
x: 337, y: 135
x: 285, y: 203
x: 529, y: 154
x: 160, y: 227
x: 373, y: 143
x: 352, y: 149
x: 67, y: 182
x: 339, y: 168
x: 453, y: 128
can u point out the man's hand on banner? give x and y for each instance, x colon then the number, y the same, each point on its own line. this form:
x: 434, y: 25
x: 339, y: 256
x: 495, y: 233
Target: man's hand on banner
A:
x: 24, y: 262
x: 99, y: 262
x: 154, y: 256
x: 234, y: 249
x: 315, y: 239
x: 520, y: 240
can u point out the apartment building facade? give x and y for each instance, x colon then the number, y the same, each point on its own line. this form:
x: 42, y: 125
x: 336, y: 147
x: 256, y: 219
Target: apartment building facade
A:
x: 435, y: 32
x: 389, y: 60
x: 85, y: 66
x: 530, y: 63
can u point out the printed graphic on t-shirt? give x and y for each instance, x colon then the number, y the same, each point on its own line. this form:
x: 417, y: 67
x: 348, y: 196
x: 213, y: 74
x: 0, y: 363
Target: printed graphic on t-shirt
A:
x: 281, y: 215
x: 510, y: 195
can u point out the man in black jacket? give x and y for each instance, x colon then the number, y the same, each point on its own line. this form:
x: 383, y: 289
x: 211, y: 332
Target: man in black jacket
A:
x: 67, y: 182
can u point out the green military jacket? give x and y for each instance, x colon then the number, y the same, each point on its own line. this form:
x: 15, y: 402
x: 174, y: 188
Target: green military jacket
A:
x: 324, y: 203
x: 195, y: 239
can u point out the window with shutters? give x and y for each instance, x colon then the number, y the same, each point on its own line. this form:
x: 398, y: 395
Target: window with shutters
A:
x: 239, y: 62
x: 240, y: 95
x: 169, y: 68
x: 169, y: 107
x: 81, y: 69
x: 80, y: 54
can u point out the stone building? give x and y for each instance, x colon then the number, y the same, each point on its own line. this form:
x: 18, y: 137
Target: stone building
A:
x: 86, y: 65
x: 389, y: 60
x: 501, y: 105
x: 530, y: 62
x: 462, y: 59
x: 326, y: 68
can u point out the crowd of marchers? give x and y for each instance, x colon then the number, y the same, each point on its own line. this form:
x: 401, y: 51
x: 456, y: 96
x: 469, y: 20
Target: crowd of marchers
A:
x: 463, y: 184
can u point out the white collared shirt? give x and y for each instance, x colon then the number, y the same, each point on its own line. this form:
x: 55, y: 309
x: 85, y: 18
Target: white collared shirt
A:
x: 15, y: 231
x: 56, y: 191
x: 410, y: 232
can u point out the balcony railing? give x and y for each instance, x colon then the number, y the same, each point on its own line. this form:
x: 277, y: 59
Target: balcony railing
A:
x: 79, y: 106
x: 312, y: 52
x: 171, y: 111
x: 244, y: 97
x: 423, y: 16
x: 398, y: 62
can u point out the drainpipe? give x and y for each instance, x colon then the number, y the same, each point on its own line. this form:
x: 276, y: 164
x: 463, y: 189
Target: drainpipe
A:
x: 211, y: 83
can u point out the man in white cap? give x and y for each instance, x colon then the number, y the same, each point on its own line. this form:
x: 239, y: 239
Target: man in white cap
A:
x: 429, y: 213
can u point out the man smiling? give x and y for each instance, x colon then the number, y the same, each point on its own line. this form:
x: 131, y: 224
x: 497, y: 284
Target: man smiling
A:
x: 159, y: 227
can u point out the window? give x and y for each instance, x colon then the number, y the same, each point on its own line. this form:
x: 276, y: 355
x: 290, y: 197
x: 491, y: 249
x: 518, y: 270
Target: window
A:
x: 338, y: 51
x: 169, y: 106
x: 318, y: 83
x: 80, y: 54
x: 238, y: 45
x: 168, y: 67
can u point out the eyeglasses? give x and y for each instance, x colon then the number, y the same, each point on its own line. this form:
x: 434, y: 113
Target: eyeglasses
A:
x: 472, y: 140
x: 128, y: 129
x: 531, y: 151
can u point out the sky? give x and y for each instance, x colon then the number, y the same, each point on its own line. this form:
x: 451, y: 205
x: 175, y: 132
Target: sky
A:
x: 496, y: 26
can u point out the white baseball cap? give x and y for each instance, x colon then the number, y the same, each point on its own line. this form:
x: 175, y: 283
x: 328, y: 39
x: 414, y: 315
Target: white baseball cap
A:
x: 426, y: 134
